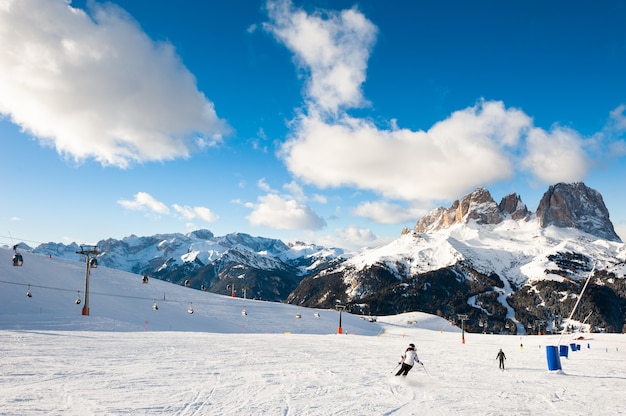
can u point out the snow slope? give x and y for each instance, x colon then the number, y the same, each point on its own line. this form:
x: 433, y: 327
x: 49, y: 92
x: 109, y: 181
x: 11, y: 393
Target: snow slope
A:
x: 126, y: 358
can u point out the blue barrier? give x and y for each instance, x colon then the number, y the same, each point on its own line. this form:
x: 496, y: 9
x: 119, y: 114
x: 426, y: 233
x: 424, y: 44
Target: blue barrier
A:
x: 573, y: 346
x: 552, y: 354
x: 563, y: 350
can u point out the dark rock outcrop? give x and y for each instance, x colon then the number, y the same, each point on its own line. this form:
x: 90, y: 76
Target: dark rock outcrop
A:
x: 576, y: 206
x: 512, y: 205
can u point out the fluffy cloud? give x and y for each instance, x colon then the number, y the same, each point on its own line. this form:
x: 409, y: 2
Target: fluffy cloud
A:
x: 556, y: 156
x: 95, y: 86
x: 473, y: 146
x: 283, y: 212
x: 357, y: 235
x: 351, y: 237
x: 618, y: 117
x: 333, y: 48
x: 190, y: 213
x: 384, y: 212
x: 145, y: 202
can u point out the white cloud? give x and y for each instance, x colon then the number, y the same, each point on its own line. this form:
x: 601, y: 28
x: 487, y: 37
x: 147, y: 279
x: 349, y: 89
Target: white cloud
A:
x: 321, y: 199
x: 263, y: 185
x: 354, y: 234
x: 618, y: 116
x: 384, y: 212
x: 617, y: 148
x: 295, y: 191
x: 191, y: 213
x: 333, y: 47
x: 472, y: 147
x: 351, y: 237
x: 556, y: 156
x: 282, y: 212
x: 95, y: 86
x: 145, y: 202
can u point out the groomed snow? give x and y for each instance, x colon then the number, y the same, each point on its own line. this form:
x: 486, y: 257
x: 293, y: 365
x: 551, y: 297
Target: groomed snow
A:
x: 125, y: 358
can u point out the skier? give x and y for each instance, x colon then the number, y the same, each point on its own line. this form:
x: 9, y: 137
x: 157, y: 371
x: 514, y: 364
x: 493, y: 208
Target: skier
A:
x: 501, y: 357
x: 409, y: 358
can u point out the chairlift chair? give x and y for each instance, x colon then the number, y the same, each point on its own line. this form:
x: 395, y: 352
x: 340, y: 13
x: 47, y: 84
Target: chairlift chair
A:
x: 155, y: 307
x: 244, y: 312
x: 93, y: 263
x: 298, y: 315
x: 28, y: 294
x: 190, y: 310
x: 18, y: 260
x: 77, y: 301
x: 144, y: 280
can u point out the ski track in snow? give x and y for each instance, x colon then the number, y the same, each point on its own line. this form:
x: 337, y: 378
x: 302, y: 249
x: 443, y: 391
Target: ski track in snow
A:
x: 189, y: 374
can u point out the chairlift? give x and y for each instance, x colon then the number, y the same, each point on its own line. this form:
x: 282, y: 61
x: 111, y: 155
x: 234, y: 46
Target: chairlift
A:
x: 77, y: 301
x: 244, y: 312
x: 190, y: 310
x: 316, y: 314
x: 93, y: 263
x: 155, y: 307
x: 144, y: 280
x: 298, y: 315
x: 18, y: 260
x: 187, y: 283
x: 28, y: 294
x: 203, y: 288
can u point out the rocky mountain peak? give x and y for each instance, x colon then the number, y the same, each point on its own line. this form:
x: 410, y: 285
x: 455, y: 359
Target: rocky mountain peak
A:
x: 563, y: 205
x: 575, y: 205
x: 512, y: 205
x: 478, y: 206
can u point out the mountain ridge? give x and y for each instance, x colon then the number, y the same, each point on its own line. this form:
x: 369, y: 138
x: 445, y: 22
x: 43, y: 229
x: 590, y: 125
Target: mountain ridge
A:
x: 502, y: 265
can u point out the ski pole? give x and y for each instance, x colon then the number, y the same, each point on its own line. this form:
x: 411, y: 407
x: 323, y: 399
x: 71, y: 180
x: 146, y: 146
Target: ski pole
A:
x: 425, y: 369
x: 394, y: 369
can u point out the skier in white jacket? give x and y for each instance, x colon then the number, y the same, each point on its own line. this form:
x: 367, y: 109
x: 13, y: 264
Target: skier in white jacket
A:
x: 409, y: 358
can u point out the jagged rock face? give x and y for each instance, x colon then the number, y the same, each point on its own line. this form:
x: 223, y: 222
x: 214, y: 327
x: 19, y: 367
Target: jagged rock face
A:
x: 512, y: 205
x: 576, y: 206
x: 478, y: 206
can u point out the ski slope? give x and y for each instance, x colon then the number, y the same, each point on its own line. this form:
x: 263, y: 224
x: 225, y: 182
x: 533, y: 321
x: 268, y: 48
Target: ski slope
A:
x: 127, y: 359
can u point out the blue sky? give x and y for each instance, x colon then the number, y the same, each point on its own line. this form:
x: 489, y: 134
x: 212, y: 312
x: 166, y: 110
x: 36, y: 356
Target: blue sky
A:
x: 334, y: 122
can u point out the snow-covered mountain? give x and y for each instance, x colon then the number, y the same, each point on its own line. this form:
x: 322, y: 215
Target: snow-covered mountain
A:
x: 508, y: 269
x: 256, y: 267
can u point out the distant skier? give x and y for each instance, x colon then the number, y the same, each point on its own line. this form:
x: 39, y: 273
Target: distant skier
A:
x: 409, y: 358
x: 501, y: 357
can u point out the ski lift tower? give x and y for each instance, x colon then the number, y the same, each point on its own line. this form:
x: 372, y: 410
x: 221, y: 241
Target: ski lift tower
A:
x: 340, y: 308
x: 463, y: 318
x: 90, y: 252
